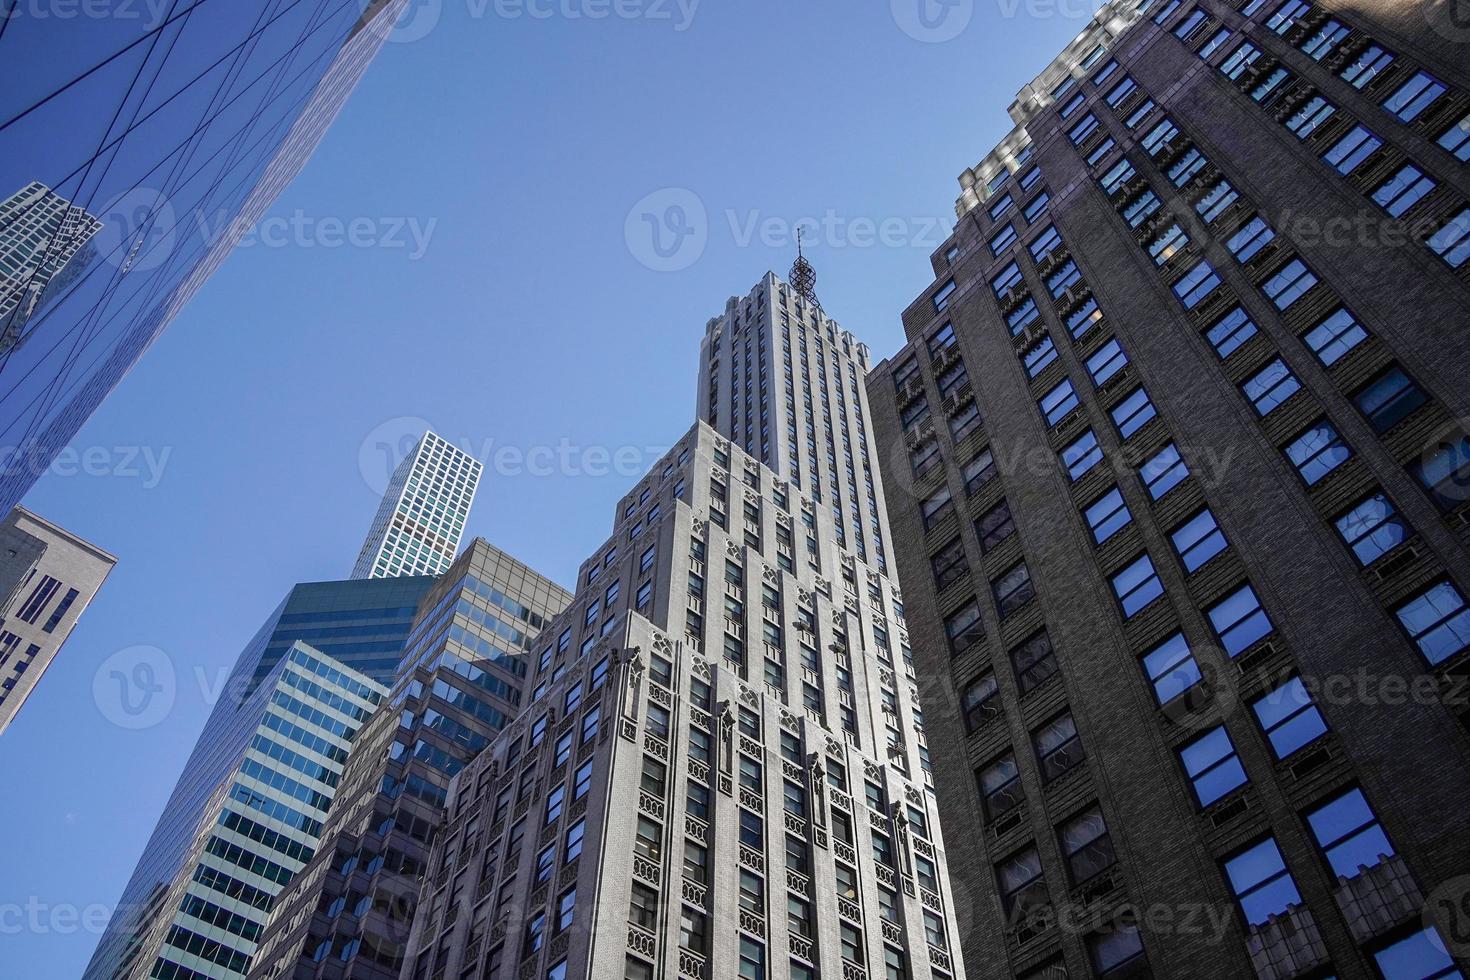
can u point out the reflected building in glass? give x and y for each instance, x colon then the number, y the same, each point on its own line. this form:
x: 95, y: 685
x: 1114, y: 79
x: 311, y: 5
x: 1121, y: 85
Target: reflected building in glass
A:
x: 164, y: 133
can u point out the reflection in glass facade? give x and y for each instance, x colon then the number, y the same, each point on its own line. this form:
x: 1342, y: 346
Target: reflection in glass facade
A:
x: 360, y: 624
x: 138, y: 142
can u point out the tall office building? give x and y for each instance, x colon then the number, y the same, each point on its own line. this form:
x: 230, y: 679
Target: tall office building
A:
x: 47, y: 577
x: 464, y: 675
x: 40, y: 232
x: 174, y: 190
x: 720, y: 768
x: 420, y: 522
x: 360, y: 625
x: 261, y: 825
x: 1177, y: 460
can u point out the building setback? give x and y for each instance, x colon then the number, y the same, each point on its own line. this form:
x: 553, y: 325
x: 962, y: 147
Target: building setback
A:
x: 47, y: 577
x: 420, y: 521
x: 1176, y: 458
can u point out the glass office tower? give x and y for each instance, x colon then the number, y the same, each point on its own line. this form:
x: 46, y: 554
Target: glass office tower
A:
x: 175, y: 127
x: 360, y: 624
x: 1177, y: 467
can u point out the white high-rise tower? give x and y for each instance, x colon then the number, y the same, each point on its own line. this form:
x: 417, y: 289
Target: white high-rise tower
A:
x: 419, y: 524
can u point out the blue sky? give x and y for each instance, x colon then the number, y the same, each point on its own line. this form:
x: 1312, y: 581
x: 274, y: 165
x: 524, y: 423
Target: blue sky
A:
x: 506, y: 290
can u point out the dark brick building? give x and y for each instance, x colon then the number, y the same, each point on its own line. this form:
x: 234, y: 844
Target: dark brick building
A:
x: 1179, y: 482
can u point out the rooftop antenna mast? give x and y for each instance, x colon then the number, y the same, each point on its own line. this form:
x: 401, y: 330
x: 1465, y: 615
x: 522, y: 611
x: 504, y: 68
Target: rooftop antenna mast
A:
x: 804, y: 278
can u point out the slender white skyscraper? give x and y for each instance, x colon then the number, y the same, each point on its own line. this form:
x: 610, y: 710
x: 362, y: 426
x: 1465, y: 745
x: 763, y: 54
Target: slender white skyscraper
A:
x: 419, y: 524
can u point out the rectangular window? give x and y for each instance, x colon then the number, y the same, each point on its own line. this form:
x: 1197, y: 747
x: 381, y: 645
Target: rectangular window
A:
x: 1389, y: 398
x: 1289, y: 718
x: 1403, y: 190
x: 1121, y: 91
x: 964, y: 628
x: 1002, y: 240
x: 1106, y: 362
x: 1086, y: 844
x: 942, y: 296
x: 1083, y: 129
x: 1058, y: 403
x: 1045, y: 243
x: 937, y: 507
x: 1000, y: 786
x: 1240, y: 60
x: 1262, y: 885
x: 1310, y: 117
x: 1013, y: 589
x: 1165, y: 471
x: 1373, y: 61
x: 1452, y: 242
x: 1034, y: 661
x: 1212, y: 766
x: 1171, y: 668
x: 1063, y: 279
x: 1058, y: 748
x: 1083, y: 318
x: 1021, y: 885
x: 1008, y: 277
x: 1199, y: 282
x: 1437, y: 621
x: 1318, y: 451
x: 949, y: 565
x: 1239, y: 620
x: 1182, y: 171
x: 1133, y: 412
x: 1198, y: 540
x: 1414, y: 96
x: 1372, y: 528
x: 1216, y: 200
x: 1230, y: 331
x: 1349, y: 152
x: 1001, y: 206
x: 1022, y: 316
x: 1253, y: 236
x: 1215, y: 43
x: 994, y: 526
x: 1334, y: 336
x: 1319, y: 45
x: 1138, y: 210
x: 1137, y: 585
x: 1290, y: 284
x: 1039, y: 355
x: 1082, y: 455
x: 1444, y: 471
x: 1107, y: 515
x: 1167, y: 244
x: 1269, y: 387
x: 1349, y: 834
x: 980, y: 702
x: 1456, y: 140
x: 979, y: 471
x: 1117, y: 175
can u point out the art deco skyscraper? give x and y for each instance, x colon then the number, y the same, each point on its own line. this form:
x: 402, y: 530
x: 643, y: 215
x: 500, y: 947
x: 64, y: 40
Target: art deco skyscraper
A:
x: 719, y: 768
x: 1177, y: 463
x: 420, y: 522
x: 40, y: 232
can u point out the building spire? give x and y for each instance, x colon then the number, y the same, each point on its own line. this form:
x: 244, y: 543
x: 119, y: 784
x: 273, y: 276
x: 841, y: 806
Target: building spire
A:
x: 803, y: 277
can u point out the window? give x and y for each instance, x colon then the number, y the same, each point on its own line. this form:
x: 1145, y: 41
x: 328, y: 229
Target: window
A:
x: 1216, y: 200
x: 1001, y: 206
x: 1132, y: 413
x: 1309, y: 118
x: 1007, y: 278
x: 693, y: 930
x: 1140, y: 208
x: 1289, y: 718
x: 1057, y: 747
x: 1253, y: 236
x: 697, y: 800
x: 1117, y: 175
x: 1021, y: 885
x: 536, y: 933
x: 1389, y: 398
x: 1063, y: 279
x: 799, y: 916
x: 1261, y: 883
x: 696, y: 863
x: 979, y: 471
x: 1239, y: 620
x: 573, y: 849
x: 1414, y: 96
x: 994, y: 526
x: 1076, y: 101
x: 1456, y: 139
x: 1039, y: 355
x: 1082, y: 454
x: 752, y: 892
x: 1083, y: 129
x: 1437, y: 621
x: 1112, y: 948
x: 1444, y: 471
x: 1196, y: 284
x: 965, y: 421
x: 1198, y: 540
x: 1107, y: 515
x: 1022, y: 316
x: 1086, y: 845
x: 1287, y: 15
x: 1239, y: 60
x: 648, y: 841
x: 979, y: 701
x: 1403, y: 190
x: 949, y: 564
x: 1137, y: 585
x: 1372, y: 528
x: 1058, y: 403
x: 1002, y: 240
x: 1452, y: 242
x: 1013, y: 589
x: 1348, y: 153
x: 1121, y: 91
x: 1417, y: 957
x: 1171, y: 668
x: 1000, y: 786
x: 1183, y: 170
x: 964, y: 628
x: 937, y: 507
x: 942, y: 295
x: 1165, y: 471
x: 1106, y: 362
x: 1230, y: 331
x: 1167, y: 243
x: 1325, y: 40
x: 752, y: 830
x: 1083, y: 318
x: 636, y: 969
x: 852, y: 945
x: 1290, y: 284
x: 1212, y: 766
x: 1318, y: 451
x: 1045, y: 243
x: 1033, y: 662
x: 1334, y: 336
x: 554, y: 803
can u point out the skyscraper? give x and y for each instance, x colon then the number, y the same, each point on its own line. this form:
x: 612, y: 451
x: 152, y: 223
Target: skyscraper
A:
x: 47, y: 577
x: 420, y: 522
x: 720, y: 766
x: 1176, y: 456
x: 40, y: 232
x: 360, y: 625
x: 174, y: 190
x: 261, y: 825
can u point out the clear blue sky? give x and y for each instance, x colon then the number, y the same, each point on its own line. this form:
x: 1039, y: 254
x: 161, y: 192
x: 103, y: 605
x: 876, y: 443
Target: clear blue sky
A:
x: 527, y: 321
